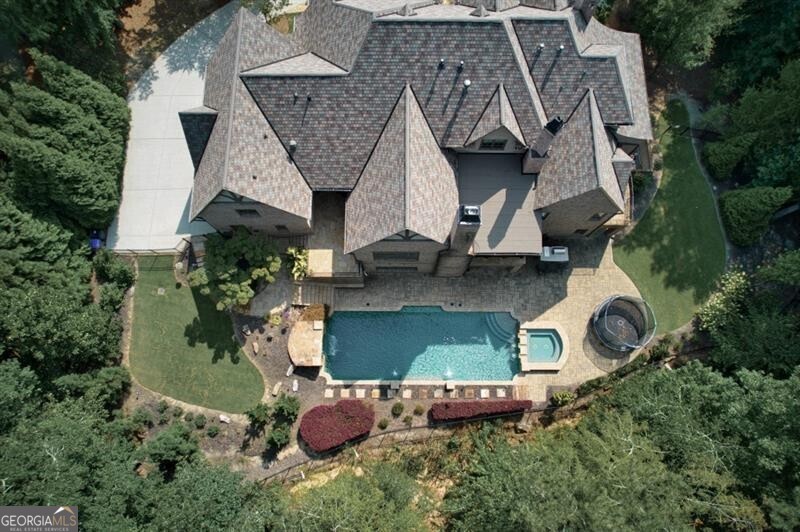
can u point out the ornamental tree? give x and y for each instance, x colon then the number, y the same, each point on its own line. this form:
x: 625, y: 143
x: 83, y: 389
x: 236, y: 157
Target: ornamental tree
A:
x: 234, y: 267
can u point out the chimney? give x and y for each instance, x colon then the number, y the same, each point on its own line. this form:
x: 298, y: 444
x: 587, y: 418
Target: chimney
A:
x: 536, y: 155
x: 466, y: 226
x: 455, y: 260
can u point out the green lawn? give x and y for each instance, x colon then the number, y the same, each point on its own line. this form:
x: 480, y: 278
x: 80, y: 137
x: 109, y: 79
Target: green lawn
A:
x: 676, y: 252
x: 182, y: 347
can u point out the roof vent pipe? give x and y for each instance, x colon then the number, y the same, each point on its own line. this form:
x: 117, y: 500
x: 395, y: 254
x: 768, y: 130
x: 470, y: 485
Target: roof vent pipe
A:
x: 541, y: 46
x: 461, y: 65
x: 292, y: 145
x: 561, y: 48
x: 467, y: 83
x: 441, y: 62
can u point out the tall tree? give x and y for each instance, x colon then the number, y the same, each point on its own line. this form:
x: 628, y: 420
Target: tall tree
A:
x: 758, y: 45
x: 607, y: 477
x: 683, y: 32
x: 767, y: 116
x: 54, y: 333
x: 72, y: 85
x: 37, y: 253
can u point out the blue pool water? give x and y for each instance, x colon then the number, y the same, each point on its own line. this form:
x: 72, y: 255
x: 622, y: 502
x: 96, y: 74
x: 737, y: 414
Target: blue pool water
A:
x: 422, y: 343
x: 544, y: 345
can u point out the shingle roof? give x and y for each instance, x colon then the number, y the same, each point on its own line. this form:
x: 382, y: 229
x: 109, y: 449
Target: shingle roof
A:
x: 243, y: 154
x: 562, y: 75
x: 331, y: 87
x: 623, y: 166
x: 336, y: 129
x: 498, y: 113
x: 307, y: 64
x: 579, y: 159
x: 407, y: 183
x: 197, y: 124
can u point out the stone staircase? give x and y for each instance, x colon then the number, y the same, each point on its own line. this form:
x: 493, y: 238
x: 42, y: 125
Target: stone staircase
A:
x: 305, y: 293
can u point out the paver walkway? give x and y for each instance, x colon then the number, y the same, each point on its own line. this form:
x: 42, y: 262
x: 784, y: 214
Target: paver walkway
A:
x: 158, y: 176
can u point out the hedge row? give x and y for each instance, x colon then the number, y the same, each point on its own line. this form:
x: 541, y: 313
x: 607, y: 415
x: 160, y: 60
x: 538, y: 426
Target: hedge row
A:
x: 327, y: 427
x: 457, y: 410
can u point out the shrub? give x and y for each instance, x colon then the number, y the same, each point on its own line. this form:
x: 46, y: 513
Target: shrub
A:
x: 408, y: 420
x: 747, y: 212
x: 212, y: 431
x: 286, y: 408
x: 177, y: 412
x: 112, y: 269
x: 458, y: 410
x: 298, y: 262
x: 142, y: 418
x: 111, y: 297
x: 641, y: 180
x: 419, y: 410
x: 383, y: 423
x: 397, y: 409
x: 562, y: 398
x: 726, y: 302
x: 200, y: 421
x: 278, y: 436
x: 327, y: 427
x: 189, y: 417
x: 725, y: 155
x: 275, y: 319
x: 259, y: 415
x: 163, y: 418
x: 783, y: 270
x: 162, y: 406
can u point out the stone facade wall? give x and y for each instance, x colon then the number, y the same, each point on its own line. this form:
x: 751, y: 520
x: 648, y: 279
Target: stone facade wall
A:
x: 428, y: 255
x: 573, y: 214
x: 224, y: 216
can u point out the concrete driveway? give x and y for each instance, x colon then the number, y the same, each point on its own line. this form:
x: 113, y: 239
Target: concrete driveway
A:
x: 157, y: 181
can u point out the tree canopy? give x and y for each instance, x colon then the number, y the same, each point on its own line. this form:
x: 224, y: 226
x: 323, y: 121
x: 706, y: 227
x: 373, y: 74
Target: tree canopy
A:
x: 683, y: 32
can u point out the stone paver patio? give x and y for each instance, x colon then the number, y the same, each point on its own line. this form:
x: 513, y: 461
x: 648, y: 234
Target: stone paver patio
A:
x: 567, y: 297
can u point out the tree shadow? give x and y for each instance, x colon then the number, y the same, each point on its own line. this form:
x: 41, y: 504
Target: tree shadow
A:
x: 212, y: 328
x: 680, y: 228
x: 173, y: 31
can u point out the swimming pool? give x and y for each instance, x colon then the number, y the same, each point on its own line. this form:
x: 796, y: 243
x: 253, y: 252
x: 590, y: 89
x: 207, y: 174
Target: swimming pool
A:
x: 544, y: 345
x: 421, y: 343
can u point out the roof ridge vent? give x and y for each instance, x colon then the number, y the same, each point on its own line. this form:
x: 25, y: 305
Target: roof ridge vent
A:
x: 480, y: 12
x: 407, y: 11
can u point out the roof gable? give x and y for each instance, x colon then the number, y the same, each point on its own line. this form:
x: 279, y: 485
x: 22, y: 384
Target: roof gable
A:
x: 243, y: 154
x: 407, y: 183
x: 497, y: 114
x: 579, y: 159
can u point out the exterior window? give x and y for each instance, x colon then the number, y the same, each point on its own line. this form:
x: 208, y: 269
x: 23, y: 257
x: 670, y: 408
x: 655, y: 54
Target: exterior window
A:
x: 493, y: 144
x: 248, y: 213
x: 396, y: 269
x: 597, y: 216
x: 282, y: 228
x: 395, y: 256
x: 580, y: 231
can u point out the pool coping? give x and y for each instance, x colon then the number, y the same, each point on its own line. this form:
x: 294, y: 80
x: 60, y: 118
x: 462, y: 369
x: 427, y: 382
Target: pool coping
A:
x: 528, y: 366
x: 514, y: 381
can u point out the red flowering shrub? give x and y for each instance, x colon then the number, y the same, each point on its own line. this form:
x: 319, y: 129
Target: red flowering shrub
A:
x: 456, y: 410
x: 326, y: 427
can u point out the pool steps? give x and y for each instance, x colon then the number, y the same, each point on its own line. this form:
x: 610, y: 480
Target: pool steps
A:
x: 504, y: 329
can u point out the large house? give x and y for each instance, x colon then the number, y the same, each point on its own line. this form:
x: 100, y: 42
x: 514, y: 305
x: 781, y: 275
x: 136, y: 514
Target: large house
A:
x: 418, y: 136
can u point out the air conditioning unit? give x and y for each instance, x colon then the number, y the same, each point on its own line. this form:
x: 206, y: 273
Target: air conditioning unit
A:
x: 555, y: 254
